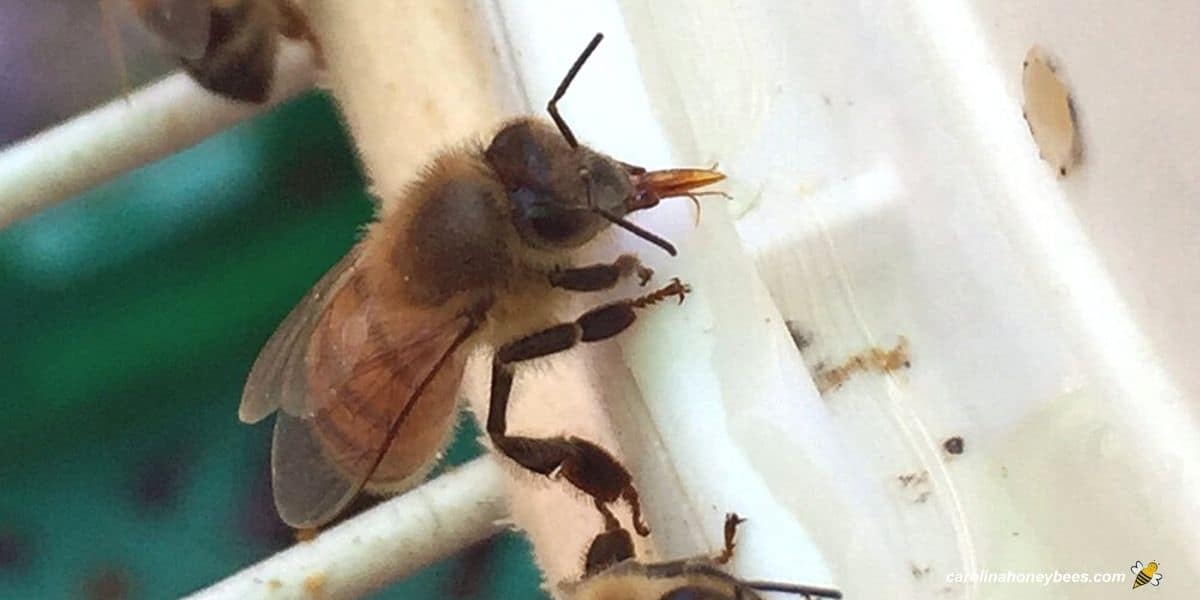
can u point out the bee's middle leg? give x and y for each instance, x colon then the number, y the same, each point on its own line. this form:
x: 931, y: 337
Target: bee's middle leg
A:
x: 590, y: 468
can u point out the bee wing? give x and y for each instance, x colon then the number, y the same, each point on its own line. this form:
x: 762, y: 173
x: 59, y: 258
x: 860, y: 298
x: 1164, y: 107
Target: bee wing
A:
x: 1137, y: 566
x: 278, y: 375
x: 319, y: 463
x: 183, y: 24
x: 1157, y: 579
x: 346, y: 374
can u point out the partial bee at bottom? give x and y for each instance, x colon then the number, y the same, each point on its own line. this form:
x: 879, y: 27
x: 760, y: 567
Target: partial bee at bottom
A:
x: 611, y: 572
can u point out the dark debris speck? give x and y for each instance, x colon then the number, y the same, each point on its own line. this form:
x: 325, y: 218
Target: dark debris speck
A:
x: 799, y: 337
x: 158, y: 482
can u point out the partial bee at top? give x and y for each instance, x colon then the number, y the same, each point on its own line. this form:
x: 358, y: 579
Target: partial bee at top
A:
x: 229, y: 47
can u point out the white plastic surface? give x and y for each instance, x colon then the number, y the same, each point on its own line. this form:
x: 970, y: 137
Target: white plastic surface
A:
x: 887, y: 186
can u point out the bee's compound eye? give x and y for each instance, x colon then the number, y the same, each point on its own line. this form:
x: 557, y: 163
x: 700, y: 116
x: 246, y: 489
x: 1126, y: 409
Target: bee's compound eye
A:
x: 542, y: 223
x: 526, y: 154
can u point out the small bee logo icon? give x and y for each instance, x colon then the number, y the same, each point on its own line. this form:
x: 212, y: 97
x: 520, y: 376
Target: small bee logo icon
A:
x: 1147, y: 574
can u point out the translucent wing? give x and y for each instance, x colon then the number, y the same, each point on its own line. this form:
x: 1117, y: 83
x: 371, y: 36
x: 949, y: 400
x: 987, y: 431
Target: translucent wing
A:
x: 367, y: 392
x: 277, y: 377
x: 183, y: 24
x: 383, y: 425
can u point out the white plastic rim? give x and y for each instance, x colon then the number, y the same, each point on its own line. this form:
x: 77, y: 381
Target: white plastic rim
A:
x: 162, y: 118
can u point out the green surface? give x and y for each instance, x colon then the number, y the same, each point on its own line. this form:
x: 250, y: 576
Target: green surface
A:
x: 129, y: 318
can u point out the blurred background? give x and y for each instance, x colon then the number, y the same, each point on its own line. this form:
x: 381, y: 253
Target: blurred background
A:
x: 129, y: 318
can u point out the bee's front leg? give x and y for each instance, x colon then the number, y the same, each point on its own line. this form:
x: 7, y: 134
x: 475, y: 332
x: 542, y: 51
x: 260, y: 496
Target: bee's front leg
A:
x: 601, y: 276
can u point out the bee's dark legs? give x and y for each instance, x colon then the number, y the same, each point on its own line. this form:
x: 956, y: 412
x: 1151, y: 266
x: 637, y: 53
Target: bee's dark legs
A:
x: 732, y: 520
x: 601, y: 276
x: 587, y: 466
x: 608, y: 548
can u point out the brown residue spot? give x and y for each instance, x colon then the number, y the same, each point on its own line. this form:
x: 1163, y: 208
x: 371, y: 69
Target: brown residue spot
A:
x: 1050, y: 112
x: 918, y: 572
x: 274, y: 584
x: 953, y: 445
x: 314, y: 585
x: 872, y: 359
x: 306, y: 534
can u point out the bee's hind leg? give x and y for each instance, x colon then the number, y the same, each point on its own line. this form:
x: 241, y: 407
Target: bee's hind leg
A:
x: 590, y: 468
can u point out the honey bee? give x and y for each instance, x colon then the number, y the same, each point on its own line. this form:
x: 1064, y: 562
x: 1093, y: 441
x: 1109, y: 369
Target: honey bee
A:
x: 363, y: 372
x: 227, y: 46
x: 611, y: 573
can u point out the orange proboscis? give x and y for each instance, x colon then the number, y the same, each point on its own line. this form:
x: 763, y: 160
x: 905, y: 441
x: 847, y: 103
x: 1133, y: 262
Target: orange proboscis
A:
x: 653, y: 186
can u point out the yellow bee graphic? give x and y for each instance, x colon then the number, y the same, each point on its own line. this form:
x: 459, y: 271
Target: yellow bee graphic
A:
x: 1147, y: 574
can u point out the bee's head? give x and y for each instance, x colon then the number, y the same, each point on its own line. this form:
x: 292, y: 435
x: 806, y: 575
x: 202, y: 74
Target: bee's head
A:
x: 558, y: 193
x: 563, y: 194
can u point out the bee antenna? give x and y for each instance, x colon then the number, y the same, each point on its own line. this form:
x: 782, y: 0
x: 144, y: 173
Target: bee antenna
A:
x: 635, y: 230
x: 552, y: 106
x: 808, y: 591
